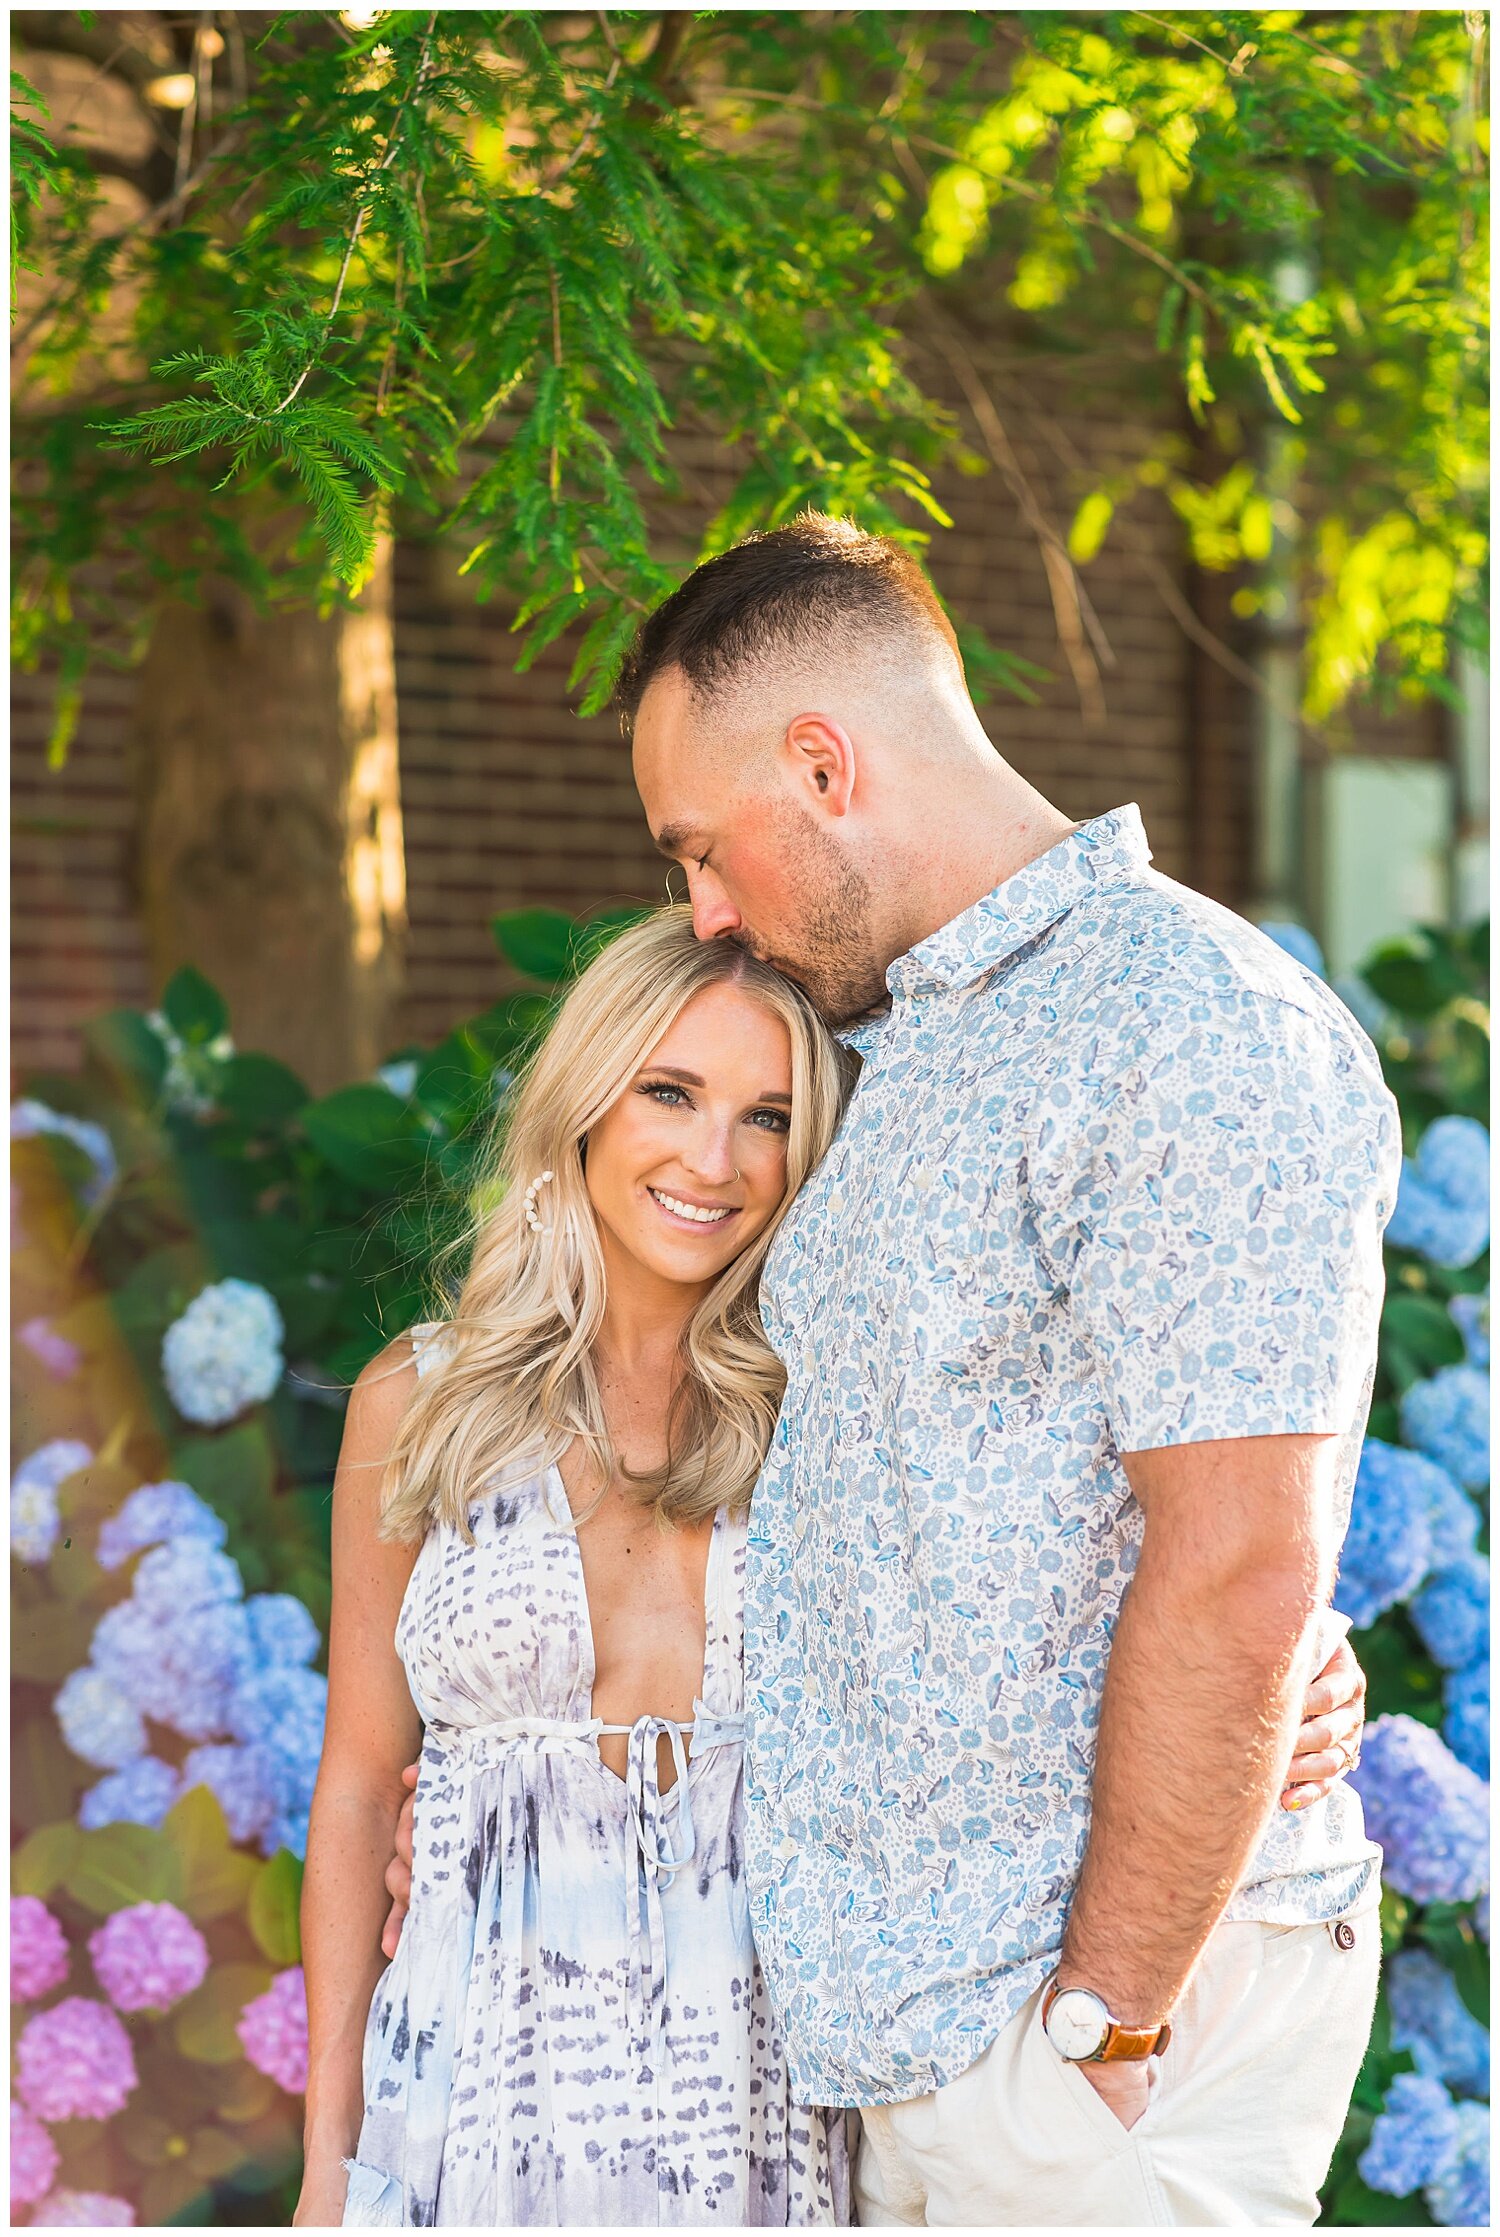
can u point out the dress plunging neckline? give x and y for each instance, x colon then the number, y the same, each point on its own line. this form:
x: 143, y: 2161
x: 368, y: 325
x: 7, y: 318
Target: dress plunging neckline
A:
x: 561, y: 1507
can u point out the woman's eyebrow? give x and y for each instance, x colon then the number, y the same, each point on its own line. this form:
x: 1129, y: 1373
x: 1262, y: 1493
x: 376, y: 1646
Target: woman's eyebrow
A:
x: 695, y: 1079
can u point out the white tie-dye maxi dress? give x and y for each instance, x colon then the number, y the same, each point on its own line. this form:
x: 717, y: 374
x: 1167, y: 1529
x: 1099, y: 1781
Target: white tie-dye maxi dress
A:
x: 574, y: 2030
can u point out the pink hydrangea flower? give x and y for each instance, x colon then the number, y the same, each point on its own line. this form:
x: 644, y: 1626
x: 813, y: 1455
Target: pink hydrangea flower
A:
x: 148, y: 1956
x: 83, y: 2209
x: 74, y: 2061
x: 273, y: 2029
x: 58, y: 1354
x: 38, y: 1950
x: 33, y: 2157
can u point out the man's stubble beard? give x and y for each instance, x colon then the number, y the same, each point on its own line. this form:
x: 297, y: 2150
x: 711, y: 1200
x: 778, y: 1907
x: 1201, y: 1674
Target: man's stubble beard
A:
x: 828, y: 949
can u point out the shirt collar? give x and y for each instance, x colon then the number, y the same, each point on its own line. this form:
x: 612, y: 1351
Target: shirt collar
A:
x: 1110, y: 851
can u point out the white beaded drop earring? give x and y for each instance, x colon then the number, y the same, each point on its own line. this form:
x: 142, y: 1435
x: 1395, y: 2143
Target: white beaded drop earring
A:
x: 534, y: 1221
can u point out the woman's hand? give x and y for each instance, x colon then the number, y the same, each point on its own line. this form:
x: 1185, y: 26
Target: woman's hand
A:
x: 398, y: 1871
x: 325, y: 2181
x: 1333, y: 1726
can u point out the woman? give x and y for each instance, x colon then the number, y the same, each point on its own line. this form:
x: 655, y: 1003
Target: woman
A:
x: 551, y: 1524
x: 539, y: 1530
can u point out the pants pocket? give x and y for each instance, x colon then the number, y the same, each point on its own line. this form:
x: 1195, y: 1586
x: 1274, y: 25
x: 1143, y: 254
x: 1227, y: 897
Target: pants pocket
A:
x: 373, y: 2199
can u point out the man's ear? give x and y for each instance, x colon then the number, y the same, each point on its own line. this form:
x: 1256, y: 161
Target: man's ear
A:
x: 822, y: 758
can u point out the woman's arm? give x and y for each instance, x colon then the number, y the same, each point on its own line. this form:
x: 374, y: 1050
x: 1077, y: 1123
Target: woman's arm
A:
x: 372, y: 1730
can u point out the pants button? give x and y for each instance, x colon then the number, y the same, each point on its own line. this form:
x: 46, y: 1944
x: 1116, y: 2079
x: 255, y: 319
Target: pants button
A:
x: 1343, y: 1934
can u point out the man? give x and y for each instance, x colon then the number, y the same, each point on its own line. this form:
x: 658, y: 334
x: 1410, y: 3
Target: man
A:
x: 1084, y: 1297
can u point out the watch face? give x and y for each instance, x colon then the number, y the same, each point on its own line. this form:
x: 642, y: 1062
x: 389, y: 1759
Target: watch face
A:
x: 1077, y: 2023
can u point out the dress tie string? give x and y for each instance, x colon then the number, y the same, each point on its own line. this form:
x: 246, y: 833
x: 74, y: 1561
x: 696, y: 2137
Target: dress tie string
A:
x: 660, y: 1835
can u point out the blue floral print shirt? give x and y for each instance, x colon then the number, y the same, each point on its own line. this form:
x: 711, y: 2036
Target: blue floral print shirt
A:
x: 1114, y: 1177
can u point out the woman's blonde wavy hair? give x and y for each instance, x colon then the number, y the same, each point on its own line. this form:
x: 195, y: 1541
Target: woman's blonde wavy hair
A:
x: 518, y: 1379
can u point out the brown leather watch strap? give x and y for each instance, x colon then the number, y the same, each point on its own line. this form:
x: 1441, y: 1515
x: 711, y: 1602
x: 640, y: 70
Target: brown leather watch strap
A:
x: 1121, y: 2044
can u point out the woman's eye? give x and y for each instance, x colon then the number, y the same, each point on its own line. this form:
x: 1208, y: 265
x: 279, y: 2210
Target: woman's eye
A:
x: 665, y: 1092
x: 774, y: 1122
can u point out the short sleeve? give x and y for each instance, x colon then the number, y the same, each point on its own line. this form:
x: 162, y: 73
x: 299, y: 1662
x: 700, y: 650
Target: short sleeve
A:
x: 1225, y: 1250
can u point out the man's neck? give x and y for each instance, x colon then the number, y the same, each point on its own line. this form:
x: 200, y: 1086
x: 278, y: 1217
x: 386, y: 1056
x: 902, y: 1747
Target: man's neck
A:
x: 991, y: 830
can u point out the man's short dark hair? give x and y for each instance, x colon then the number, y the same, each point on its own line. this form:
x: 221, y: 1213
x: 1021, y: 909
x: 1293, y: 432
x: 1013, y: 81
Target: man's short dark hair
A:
x: 780, y: 591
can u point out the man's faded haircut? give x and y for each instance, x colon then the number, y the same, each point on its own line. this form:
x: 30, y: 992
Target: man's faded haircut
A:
x: 792, y: 590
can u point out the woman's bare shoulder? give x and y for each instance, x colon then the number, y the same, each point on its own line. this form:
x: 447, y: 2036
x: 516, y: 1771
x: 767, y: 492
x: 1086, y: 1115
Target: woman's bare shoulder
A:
x: 382, y: 1391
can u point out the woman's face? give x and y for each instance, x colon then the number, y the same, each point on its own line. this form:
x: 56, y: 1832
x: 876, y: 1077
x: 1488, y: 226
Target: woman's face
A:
x: 688, y: 1166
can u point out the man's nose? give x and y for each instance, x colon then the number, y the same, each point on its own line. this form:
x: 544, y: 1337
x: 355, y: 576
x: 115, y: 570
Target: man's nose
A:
x: 714, y: 914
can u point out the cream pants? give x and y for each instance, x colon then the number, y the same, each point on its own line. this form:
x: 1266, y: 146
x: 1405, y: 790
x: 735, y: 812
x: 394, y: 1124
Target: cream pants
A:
x: 1246, y: 2106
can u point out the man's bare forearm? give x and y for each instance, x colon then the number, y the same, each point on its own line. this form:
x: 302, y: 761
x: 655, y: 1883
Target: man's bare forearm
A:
x: 1227, y: 1647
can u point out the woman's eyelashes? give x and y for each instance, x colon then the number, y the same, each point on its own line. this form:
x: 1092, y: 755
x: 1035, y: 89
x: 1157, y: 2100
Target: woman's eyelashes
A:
x: 670, y: 1095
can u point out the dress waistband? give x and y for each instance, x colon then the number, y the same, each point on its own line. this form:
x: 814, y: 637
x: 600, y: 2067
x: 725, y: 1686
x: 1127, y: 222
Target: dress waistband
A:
x: 707, y: 1727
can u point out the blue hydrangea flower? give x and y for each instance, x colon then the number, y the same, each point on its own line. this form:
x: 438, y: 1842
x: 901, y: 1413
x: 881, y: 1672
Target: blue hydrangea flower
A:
x: 1448, y: 1418
x: 141, y: 1793
x: 281, y: 1629
x: 224, y: 1354
x: 191, y: 1574
x: 155, y: 1514
x: 34, y: 1517
x: 1426, y: 1809
x: 30, y: 1117
x: 1466, y: 1715
x: 1473, y: 1317
x: 182, y: 1671
x: 1443, y: 1203
x: 239, y: 1780
x: 400, y: 1076
x: 286, y: 1831
x: 1460, y: 2196
x: 1452, y: 1612
x: 98, y: 1722
x: 284, y: 1707
x: 1414, y: 2139
x: 1431, y: 2020
x: 1388, y: 1546
x: 1296, y: 941
x: 1452, y: 1517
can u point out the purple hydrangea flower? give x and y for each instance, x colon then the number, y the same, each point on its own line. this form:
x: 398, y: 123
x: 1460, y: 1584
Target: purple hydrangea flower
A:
x: 1452, y: 1612
x: 34, y: 1518
x: 183, y: 1672
x: 273, y: 2030
x: 156, y: 1514
x: 1473, y: 1317
x: 1466, y: 1715
x: 1414, y: 2137
x: 140, y: 1793
x: 83, y: 2209
x: 38, y: 1950
x: 148, y: 1957
x: 1431, y: 2020
x: 284, y: 1707
x: 1428, y: 1812
x: 33, y: 2157
x: 1443, y: 1203
x: 1388, y: 1546
x: 74, y: 2061
x: 57, y: 1353
x: 281, y: 1629
x: 240, y: 1780
x: 1460, y: 2196
x: 1448, y: 1418
x: 224, y: 1353
x: 1296, y: 941
x: 97, y: 1720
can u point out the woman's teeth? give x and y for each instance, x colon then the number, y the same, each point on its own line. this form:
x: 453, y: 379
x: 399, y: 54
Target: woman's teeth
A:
x: 696, y: 1212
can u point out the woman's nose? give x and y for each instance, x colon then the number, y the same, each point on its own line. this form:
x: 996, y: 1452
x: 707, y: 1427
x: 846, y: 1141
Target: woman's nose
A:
x: 710, y: 1155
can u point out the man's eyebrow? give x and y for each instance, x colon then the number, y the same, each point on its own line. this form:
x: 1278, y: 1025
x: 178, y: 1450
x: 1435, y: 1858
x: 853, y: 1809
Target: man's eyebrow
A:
x: 695, y: 1079
x: 674, y: 841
